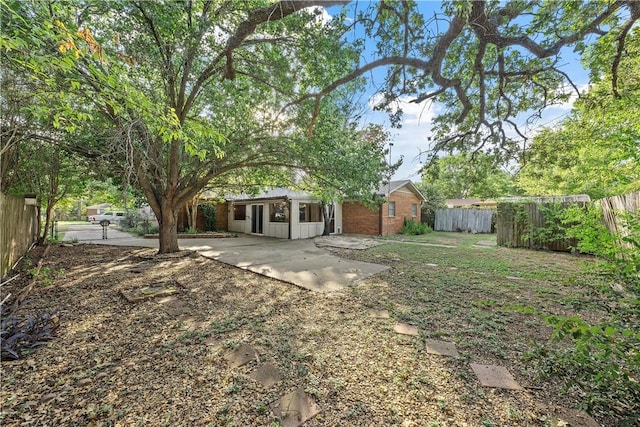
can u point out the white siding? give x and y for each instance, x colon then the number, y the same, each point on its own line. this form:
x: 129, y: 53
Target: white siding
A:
x: 276, y: 229
x: 280, y: 230
x: 238, y: 226
x: 338, y: 218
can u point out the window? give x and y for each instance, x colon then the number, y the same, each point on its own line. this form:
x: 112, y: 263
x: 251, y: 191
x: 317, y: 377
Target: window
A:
x: 239, y: 212
x: 310, y: 212
x: 279, y: 212
x: 414, y: 210
x: 392, y: 209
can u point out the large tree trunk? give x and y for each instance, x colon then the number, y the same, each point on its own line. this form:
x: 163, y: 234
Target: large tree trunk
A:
x: 168, y: 226
x: 327, y: 213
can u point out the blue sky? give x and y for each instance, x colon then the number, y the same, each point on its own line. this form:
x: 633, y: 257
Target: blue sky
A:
x: 411, y: 139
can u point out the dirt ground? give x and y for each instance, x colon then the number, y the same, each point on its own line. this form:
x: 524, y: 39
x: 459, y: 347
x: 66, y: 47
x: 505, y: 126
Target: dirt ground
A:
x: 162, y: 361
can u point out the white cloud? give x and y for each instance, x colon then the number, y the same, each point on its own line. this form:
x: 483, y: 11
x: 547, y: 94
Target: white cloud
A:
x: 322, y: 16
x: 411, y: 139
x: 573, y: 96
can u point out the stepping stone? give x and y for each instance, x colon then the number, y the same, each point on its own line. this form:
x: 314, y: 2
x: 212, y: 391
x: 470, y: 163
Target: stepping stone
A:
x: 379, y: 314
x: 267, y: 375
x: 431, y: 265
x: 241, y: 356
x: 495, y: 376
x: 406, y: 329
x: 513, y: 278
x: 295, y: 408
x: 443, y: 348
x: 572, y: 417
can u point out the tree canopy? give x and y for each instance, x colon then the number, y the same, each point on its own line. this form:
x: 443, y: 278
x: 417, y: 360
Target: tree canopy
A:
x: 177, y: 94
x: 462, y: 175
x: 491, y: 64
x: 595, y: 150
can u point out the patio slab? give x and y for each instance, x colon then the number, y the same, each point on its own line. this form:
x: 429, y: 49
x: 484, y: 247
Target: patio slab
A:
x: 295, y: 408
x: 495, y: 376
x: 295, y: 261
x: 442, y: 348
x: 241, y: 356
x: 406, y: 329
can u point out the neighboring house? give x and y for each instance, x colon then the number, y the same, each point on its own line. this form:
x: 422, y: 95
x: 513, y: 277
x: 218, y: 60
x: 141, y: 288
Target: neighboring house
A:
x: 281, y: 213
x: 402, y: 199
x: 98, y: 209
x: 469, y: 203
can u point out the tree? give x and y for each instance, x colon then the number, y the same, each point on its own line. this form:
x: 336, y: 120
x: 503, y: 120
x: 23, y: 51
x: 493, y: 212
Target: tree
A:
x: 353, y: 171
x: 434, y: 200
x: 488, y: 63
x: 594, y: 150
x: 462, y: 175
x: 192, y: 91
x: 187, y: 91
x: 43, y: 168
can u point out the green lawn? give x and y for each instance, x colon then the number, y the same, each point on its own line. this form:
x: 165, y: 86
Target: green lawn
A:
x: 449, y: 239
x: 458, y: 287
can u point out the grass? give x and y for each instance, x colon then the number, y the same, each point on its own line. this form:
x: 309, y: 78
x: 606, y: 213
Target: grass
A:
x: 484, y: 299
x: 464, y: 240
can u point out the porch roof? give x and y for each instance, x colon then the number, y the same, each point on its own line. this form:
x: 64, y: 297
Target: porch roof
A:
x: 274, y: 193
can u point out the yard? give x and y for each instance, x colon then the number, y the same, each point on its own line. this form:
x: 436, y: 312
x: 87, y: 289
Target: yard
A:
x: 165, y: 360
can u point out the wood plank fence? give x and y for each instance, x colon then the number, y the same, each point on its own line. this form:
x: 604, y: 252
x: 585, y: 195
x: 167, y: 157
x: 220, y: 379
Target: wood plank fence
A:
x: 518, y: 219
x: 19, y: 229
x: 470, y: 220
x: 613, y: 206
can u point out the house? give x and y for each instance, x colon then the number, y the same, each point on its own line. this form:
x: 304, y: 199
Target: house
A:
x: 289, y: 214
x: 402, y: 199
x: 280, y: 212
x: 469, y: 203
x: 98, y: 209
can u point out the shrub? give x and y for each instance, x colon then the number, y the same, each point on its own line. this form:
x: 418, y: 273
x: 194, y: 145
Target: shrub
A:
x: 604, y: 360
x: 411, y: 227
x: 209, y: 213
x: 621, y: 252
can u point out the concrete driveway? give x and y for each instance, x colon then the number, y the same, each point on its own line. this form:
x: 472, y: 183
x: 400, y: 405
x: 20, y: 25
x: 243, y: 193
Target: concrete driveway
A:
x: 299, y: 262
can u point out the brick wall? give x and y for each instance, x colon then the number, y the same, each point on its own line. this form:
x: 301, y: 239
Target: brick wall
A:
x: 404, y: 200
x: 222, y: 219
x: 222, y: 216
x: 359, y: 219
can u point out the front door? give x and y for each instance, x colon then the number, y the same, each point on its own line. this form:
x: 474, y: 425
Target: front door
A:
x: 257, y: 217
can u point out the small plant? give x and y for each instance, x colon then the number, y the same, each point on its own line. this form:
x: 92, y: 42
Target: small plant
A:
x: 21, y: 336
x: 46, y: 275
x: 413, y: 228
x: 191, y: 230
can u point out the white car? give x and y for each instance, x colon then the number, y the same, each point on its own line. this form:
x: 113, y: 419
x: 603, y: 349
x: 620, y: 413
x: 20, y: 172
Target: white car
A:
x: 112, y: 217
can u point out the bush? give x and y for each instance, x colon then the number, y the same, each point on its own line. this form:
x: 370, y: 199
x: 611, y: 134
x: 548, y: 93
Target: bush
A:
x: 604, y: 360
x: 209, y: 213
x: 413, y: 228
x: 621, y: 253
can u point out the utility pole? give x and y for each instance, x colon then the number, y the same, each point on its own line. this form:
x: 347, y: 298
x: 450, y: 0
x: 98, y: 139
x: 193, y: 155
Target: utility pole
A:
x: 389, y: 190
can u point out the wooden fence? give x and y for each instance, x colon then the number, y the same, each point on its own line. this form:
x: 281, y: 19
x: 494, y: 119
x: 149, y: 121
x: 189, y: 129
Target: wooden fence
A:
x: 18, y: 230
x: 611, y: 208
x: 519, y: 221
x: 470, y: 220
